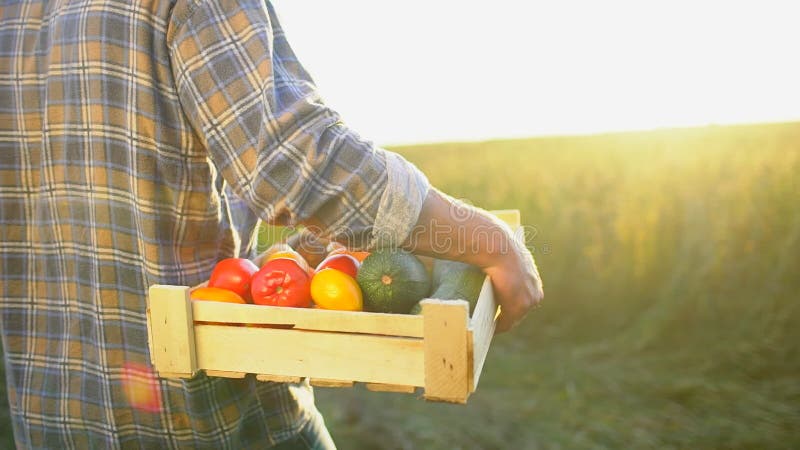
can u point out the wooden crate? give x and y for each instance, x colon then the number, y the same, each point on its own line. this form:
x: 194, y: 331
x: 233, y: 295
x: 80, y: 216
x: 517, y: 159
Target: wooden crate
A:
x: 441, y: 351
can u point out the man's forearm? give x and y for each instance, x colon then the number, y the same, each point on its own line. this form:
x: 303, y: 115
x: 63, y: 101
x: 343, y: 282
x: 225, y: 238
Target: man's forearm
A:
x: 447, y: 229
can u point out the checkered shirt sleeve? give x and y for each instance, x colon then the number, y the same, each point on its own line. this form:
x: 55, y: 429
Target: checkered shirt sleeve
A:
x: 283, y: 151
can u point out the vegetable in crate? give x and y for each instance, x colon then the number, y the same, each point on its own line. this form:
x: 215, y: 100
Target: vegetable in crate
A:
x: 392, y: 281
x: 279, y: 251
x: 341, y: 262
x: 334, y: 289
x: 233, y: 274
x: 215, y: 294
x: 282, y: 282
x: 453, y: 280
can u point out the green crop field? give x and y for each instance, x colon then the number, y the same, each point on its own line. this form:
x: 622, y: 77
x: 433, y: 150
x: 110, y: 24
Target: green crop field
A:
x: 671, y: 264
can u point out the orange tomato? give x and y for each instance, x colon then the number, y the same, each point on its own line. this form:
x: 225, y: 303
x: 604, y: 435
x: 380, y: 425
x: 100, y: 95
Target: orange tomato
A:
x: 215, y: 294
x: 333, y: 289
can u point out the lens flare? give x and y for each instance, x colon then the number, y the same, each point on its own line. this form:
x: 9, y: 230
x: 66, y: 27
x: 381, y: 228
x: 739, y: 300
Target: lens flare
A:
x: 141, y: 387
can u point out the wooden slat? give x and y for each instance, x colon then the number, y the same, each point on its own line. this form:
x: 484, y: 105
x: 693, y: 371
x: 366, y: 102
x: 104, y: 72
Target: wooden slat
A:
x: 171, y: 330
x: 484, y: 317
x: 201, y: 285
x: 150, y: 341
x: 225, y: 374
x: 310, y: 319
x: 278, y: 378
x: 446, y: 359
x: 299, y: 353
x: 482, y: 326
x: 471, y: 361
x: 379, y: 387
x: 324, y: 382
x: 174, y: 375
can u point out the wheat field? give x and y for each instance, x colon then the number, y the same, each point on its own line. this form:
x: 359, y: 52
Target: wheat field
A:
x: 671, y: 263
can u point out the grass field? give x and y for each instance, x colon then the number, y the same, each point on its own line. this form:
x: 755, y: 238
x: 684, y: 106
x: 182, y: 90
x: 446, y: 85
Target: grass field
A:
x: 671, y: 262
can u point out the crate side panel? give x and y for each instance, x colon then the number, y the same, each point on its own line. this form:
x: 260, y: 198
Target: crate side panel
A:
x: 172, y: 343
x: 310, y: 319
x: 446, y: 350
x: 482, y: 324
x: 314, y: 354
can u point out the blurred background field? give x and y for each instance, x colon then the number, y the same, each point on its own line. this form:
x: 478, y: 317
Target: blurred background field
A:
x: 671, y: 263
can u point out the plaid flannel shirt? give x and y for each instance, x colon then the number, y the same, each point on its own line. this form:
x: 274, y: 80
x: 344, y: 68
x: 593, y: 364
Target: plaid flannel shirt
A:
x: 125, y: 127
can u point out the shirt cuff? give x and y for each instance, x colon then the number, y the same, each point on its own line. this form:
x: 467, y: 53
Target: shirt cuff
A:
x: 401, y: 202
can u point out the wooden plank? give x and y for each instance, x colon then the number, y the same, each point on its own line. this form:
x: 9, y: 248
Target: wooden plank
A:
x: 175, y: 375
x: 446, y: 359
x: 471, y: 361
x: 201, y: 285
x: 328, y: 383
x: 278, y: 378
x: 172, y: 336
x: 380, y: 387
x: 484, y: 317
x: 150, y: 346
x: 482, y: 325
x: 310, y: 319
x: 225, y: 374
x: 313, y: 354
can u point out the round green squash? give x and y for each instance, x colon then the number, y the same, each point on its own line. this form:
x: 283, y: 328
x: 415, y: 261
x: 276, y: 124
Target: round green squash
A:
x: 392, y: 281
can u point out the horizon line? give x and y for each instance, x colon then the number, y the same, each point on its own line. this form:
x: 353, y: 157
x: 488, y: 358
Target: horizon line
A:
x: 585, y: 133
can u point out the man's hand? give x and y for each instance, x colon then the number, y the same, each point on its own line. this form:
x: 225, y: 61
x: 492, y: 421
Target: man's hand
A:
x: 517, y: 286
x: 478, y: 238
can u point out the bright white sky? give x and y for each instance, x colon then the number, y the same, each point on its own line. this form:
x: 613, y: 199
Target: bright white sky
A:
x: 443, y: 70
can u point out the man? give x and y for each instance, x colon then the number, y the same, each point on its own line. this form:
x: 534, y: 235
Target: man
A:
x: 124, y: 127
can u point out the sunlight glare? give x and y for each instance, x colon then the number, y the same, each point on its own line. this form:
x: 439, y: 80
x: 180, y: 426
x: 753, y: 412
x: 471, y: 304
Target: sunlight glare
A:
x: 462, y: 70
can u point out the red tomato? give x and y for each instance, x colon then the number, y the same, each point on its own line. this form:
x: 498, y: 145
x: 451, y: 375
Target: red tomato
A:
x: 233, y: 274
x: 281, y: 282
x: 341, y: 262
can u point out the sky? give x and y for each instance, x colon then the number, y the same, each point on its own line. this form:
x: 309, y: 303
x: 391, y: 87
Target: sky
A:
x: 446, y: 70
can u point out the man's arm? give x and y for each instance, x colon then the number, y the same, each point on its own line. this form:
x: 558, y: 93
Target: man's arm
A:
x: 271, y: 137
x: 286, y: 154
x: 448, y: 229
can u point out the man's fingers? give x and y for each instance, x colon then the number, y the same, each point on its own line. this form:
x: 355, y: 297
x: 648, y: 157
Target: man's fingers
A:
x: 512, y: 313
x: 504, y: 323
x: 509, y: 318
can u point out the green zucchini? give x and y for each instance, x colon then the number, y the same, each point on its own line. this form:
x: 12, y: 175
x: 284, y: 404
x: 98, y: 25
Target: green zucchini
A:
x: 453, y: 280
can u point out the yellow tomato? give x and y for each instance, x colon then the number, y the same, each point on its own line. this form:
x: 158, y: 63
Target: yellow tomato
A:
x: 332, y: 289
x: 291, y: 254
x: 288, y: 253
